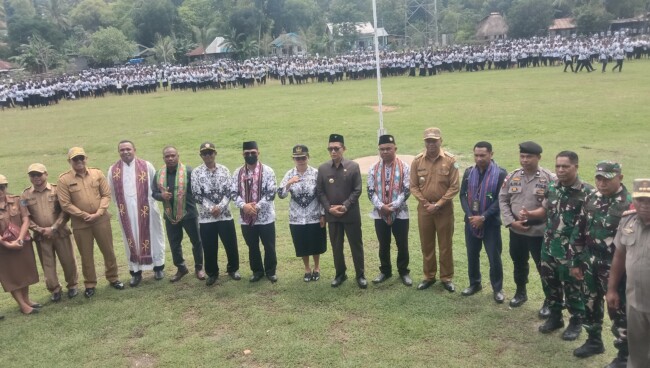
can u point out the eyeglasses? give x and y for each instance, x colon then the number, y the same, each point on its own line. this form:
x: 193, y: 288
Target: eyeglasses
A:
x: 3, y: 186
x: 35, y: 174
x: 78, y: 158
x: 333, y: 149
x: 208, y: 153
x: 300, y: 158
x: 246, y: 154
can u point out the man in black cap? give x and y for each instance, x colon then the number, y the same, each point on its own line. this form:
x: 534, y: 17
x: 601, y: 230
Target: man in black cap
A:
x: 388, y: 190
x: 339, y: 188
x: 253, y: 190
x: 211, y: 187
x: 525, y: 188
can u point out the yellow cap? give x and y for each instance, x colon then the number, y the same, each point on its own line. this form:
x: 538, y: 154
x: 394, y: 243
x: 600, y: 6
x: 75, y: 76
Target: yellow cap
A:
x: 39, y: 168
x: 3, y: 179
x: 76, y: 151
x: 432, y: 133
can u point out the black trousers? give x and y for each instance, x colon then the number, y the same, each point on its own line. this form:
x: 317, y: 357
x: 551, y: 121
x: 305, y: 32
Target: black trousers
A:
x: 523, y: 247
x: 493, y: 246
x: 352, y: 230
x: 400, y: 230
x: 210, y: 234
x: 175, y: 238
x: 252, y: 235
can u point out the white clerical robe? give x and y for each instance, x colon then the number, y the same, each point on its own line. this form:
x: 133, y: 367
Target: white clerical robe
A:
x: 156, y: 230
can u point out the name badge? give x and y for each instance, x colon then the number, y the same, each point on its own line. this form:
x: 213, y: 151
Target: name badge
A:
x: 331, y: 181
x: 476, y: 206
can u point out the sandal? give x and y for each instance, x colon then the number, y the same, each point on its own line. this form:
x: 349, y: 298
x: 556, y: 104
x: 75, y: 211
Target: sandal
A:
x: 307, y: 277
x: 315, y: 276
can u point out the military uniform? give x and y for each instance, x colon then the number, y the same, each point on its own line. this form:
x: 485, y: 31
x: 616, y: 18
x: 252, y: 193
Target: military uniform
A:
x: 563, y: 205
x: 45, y: 212
x: 436, y: 181
x: 79, y: 196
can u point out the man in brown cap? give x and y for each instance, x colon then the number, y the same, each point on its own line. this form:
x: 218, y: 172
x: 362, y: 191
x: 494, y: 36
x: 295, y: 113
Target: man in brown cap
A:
x: 632, y: 261
x: 85, y: 195
x: 434, y: 183
x: 51, y: 232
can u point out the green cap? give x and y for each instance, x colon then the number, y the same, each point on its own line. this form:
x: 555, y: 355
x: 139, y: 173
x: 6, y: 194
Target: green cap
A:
x: 608, y: 169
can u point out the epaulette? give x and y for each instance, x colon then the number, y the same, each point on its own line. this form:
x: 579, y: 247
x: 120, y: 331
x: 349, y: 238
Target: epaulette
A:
x: 419, y: 155
x: 631, y: 211
x: 63, y: 173
x: 449, y: 154
x: 28, y: 188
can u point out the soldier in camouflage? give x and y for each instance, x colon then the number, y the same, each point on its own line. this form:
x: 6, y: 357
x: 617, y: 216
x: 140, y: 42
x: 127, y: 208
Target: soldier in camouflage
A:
x: 591, y: 252
x: 562, y: 204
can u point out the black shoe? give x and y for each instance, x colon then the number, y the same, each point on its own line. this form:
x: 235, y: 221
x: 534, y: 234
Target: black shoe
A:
x: 554, y: 322
x: 117, y: 284
x: 544, y: 311
x: 338, y: 280
x: 499, y: 297
x: 33, y: 311
x: 56, y: 296
x: 518, y: 300
x: 362, y: 282
x: 89, y: 292
x: 36, y: 305
x: 72, y: 293
x: 211, y: 280
x: 235, y: 275
x: 272, y: 278
x: 307, y: 277
x: 449, y: 286
x: 425, y: 284
x: 315, y: 276
x: 618, y: 362
x: 179, y: 274
x: 471, y: 290
x: 406, y: 280
x: 381, y: 278
x: 573, y: 330
x: 135, y: 280
x: 591, y: 347
x: 255, y: 277
x: 158, y: 275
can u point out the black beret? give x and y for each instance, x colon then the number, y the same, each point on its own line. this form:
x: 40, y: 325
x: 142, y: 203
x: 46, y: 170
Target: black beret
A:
x: 336, y: 138
x: 530, y: 147
x: 386, y: 138
x: 249, y: 145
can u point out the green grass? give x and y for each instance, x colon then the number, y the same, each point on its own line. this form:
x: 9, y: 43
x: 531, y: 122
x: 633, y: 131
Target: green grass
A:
x: 291, y: 323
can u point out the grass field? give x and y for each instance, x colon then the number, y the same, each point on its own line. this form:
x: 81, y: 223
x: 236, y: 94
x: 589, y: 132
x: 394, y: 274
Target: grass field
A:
x: 297, y: 324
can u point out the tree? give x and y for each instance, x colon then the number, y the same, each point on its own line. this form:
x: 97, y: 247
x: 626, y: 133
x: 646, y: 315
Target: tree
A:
x: 109, y: 46
x: 625, y: 8
x: 203, y: 36
x: 182, y: 46
x: 247, y: 20
x: 199, y: 13
x: 37, y: 55
x: 592, y: 18
x: 57, y: 12
x: 20, y: 29
x: 529, y: 18
x: 92, y: 15
x: 19, y: 9
x: 151, y: 17
x: 164, y: 49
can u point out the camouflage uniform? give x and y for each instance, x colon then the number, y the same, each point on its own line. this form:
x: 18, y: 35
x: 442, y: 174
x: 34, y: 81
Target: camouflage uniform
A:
x: 592, y: 249
x: 563, y: 206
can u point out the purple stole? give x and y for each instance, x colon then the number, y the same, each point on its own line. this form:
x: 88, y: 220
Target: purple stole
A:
x: 142, y: 188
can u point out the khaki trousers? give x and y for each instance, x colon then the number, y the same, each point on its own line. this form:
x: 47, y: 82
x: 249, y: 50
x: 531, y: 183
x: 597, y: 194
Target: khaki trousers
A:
x: 440, y: 225
x: 48, y: 250
x: 85, y: 237
x: 638, y: 338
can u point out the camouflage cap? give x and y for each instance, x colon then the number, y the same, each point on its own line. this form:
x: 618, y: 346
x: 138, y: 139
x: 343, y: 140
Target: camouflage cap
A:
x: 641, y: 188
x: 608, y: 169
x: 3, y: 179
x: 39, y: 168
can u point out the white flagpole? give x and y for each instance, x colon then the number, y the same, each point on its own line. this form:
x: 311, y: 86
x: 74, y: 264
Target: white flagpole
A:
x: 381, y: 130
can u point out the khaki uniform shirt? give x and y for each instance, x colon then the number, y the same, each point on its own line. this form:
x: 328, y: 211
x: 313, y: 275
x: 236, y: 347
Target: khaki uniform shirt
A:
x: 82, y: 195
x: 519, y: 191
x: 45, y: 211
x: 634, y: 237
x: 435, y: 180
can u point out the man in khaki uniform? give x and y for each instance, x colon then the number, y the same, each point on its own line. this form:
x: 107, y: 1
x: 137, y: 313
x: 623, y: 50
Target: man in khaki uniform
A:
x: 434, y: 183
x: 84, y: 194
x: 632, y: 260
x: 51, y: 232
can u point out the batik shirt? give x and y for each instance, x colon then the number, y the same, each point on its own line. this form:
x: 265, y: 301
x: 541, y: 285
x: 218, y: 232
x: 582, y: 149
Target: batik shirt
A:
x: 304, y: 207
x: 210, y: 189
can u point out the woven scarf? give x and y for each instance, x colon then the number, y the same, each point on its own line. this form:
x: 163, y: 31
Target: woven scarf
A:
x: 250, y: 187
x: 176, y: 212
x: 389, y: 188
x: 138, y: 254
x: 484, y: 192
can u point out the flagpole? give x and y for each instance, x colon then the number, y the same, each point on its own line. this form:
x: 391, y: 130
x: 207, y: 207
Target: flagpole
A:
x: 380, y: 108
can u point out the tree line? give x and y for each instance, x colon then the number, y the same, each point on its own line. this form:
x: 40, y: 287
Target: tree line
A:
x: 40, y: 34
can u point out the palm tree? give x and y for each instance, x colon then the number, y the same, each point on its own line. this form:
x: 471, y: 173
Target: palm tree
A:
x: 164, y: 48
x: 57, y: 11
x: 203, y: 36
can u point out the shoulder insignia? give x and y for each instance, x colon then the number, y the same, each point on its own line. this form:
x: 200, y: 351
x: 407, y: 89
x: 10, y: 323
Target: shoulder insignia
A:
x: 27, y: 189
x: 64, y: 173
x: 449, y: 154
x: 629, y: 212
x: 418, y: 156
x: 456, y: 165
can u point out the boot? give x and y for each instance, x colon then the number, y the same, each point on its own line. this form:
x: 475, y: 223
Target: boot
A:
x: 593, y: 345
x: 620, y: 361
x: 520, y: 297
x: 553, y: 323
x: 573, y: 330
x: 544, y: 311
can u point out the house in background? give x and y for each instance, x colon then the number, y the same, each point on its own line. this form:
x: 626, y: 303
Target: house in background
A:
x: 288, y: 44
x: 363, y: 34
x: 491, y: 28
x: 216, y: 49
x: 563, y: 27
x: 631, y: 26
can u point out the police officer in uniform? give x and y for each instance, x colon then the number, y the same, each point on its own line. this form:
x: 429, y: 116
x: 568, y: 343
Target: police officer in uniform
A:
x: 525, y: 188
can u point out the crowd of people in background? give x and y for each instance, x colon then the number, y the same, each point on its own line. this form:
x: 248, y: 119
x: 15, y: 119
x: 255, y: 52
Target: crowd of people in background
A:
x: 576, y: 54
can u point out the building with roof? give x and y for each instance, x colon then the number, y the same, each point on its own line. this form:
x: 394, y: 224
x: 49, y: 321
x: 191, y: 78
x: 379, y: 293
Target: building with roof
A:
x: 363, y: 34
x: 631, y: 26
x: 563, y: 27
x: 493, y: 27
x: 288, y: 44
x: 216, y: 49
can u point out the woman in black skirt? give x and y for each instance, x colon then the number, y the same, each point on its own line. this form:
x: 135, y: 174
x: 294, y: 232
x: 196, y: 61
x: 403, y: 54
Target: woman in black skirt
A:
x: 306, y: 215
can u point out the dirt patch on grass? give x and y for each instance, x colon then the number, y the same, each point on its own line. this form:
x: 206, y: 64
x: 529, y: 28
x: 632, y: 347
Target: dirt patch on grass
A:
x: 366, y: 162
x: 143, y: 360
x: 384, y: 108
